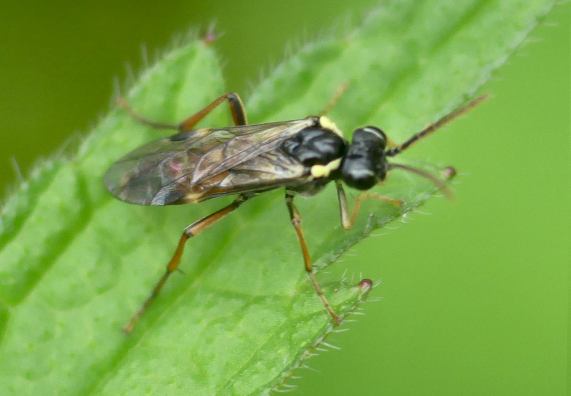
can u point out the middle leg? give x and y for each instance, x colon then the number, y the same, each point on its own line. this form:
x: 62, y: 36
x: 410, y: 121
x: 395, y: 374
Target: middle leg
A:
x: 296, y: 222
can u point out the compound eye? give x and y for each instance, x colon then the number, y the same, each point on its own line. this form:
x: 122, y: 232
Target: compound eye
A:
x: 372, y: 133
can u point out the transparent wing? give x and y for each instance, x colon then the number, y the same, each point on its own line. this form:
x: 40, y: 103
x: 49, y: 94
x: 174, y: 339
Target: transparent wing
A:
x: 187, y: 167
x: 264, y: 172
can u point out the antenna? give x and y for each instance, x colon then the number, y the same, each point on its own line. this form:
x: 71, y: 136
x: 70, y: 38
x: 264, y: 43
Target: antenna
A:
x: 422, y: 173
x: 437, y: 125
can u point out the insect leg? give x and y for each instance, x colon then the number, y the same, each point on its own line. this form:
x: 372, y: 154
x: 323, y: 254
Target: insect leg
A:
x: 235, y: 103
x: 335, y: 98
x: 192, y: 230
x: 348, y: 219
x: 236, y: 109
x: 122, y: 102
x: 296, y: 222
x: 343, y: 206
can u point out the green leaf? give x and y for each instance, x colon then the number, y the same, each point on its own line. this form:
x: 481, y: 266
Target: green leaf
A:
x: 75, y: 263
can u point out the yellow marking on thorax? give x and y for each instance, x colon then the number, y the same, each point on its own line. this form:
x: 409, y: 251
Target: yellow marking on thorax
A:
x: 326, y: 123
x: 193, y: 197
x: 318, y: 171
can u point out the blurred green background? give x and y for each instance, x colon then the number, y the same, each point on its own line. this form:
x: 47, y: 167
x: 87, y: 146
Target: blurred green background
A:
x: 474, y: 296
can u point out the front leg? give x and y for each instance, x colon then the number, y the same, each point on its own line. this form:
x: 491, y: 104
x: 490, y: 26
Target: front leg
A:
x: 348, y: 218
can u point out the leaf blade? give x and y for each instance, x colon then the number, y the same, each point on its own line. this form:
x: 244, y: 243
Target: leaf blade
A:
x: 247, y: 292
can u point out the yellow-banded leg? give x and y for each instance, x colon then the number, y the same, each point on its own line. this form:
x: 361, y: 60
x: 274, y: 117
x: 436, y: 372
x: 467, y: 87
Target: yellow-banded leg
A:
x: 348, y: 218
x: 192, y: 230
x: 296, y: 222
x: 234, y: 102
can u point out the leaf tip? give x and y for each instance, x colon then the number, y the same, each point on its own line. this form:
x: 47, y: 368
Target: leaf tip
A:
x: 365, y: 285
x: 449, y: 173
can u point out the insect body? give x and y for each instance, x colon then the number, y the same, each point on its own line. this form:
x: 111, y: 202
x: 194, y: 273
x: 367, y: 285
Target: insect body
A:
x: 194, y: 166
x: 301, y: 156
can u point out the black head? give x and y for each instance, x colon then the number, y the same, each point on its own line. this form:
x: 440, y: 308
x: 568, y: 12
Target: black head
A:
x: 365, y: 163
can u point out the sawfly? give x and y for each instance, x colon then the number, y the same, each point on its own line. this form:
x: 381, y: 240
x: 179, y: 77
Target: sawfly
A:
x: 244, y: 160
